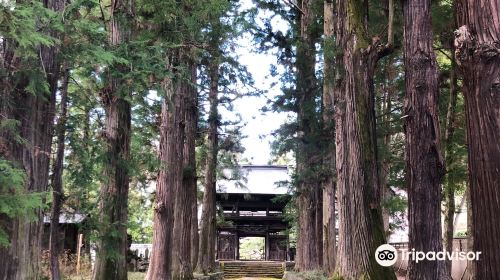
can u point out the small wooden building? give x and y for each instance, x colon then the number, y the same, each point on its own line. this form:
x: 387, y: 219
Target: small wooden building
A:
x: 69, y: 228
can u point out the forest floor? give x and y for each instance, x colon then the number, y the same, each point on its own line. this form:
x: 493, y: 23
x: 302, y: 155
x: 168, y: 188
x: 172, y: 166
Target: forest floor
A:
x: 131, y: 276
x: 136, y: 275
x: 253, y: 278
x: 142, y: 275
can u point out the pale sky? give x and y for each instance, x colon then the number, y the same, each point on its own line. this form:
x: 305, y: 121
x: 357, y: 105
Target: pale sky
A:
x: 258, y: 125
x: 257, y: 180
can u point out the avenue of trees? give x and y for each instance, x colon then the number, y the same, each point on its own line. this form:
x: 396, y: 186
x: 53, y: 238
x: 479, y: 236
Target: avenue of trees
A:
x: 115, y: 108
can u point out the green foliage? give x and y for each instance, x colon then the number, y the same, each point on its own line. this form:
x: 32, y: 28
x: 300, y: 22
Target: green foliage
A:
x: 443, y: 22
x: 159, y: 30
x: 21, y: 23
x: 291, y: 216
x: 10, y: 127
x: 15, y: 201
x: 396, y: 205
x: 25, y: 25
x: 456, y: 153
x: 251, y: 248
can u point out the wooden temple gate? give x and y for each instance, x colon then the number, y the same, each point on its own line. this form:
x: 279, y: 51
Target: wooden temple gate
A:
x: 257, y: 215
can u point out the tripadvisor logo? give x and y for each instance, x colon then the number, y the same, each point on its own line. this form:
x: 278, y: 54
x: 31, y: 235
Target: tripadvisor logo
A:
x: 387, y: 255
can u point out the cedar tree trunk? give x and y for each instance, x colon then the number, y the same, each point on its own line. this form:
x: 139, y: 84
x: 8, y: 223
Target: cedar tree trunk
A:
x: 112, y: 246
x: 169, y: 177
x: 329, y: 232
x: 181, y: 261
x: 206, y: 257
x: 190, y: 178
x: 477, y: 54
x: 57, y: 188
x: 309, y: 200
x: 358, y: 191
x: 34, y: 114
x: 424, y: 162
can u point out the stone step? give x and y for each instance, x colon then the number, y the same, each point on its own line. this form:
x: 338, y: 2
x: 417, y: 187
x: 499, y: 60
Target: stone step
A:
x: 253, y: 269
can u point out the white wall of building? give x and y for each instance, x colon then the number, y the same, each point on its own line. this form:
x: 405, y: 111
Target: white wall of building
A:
x: 262, y: 179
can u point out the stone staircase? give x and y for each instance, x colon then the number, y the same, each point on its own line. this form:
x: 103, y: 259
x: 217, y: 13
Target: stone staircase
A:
x: 261, y: 269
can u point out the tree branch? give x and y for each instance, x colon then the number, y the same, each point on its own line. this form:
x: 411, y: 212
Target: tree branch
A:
x: 293, y: 5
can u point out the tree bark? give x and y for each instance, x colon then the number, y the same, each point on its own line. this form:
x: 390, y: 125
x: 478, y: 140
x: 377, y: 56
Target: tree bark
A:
x: 358, y: 187
x: 169, y: 177
x: 181, y: 261
x: 206, y: 257
x: 112, y: 245
x: 478, y: 57
x: 309, y: 200
x: 190, y: 177
x: 424, y: 162
x: 329, y: 231
x: 57, y: 188
x: 34, y: 114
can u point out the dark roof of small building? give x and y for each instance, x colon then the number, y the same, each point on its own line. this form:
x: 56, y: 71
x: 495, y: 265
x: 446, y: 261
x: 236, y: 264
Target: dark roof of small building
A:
x: 252, y: 202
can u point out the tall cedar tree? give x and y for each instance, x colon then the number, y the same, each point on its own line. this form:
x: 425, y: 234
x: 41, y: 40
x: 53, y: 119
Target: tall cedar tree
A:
x: 190, y: 179
x: 181, y: 236
x: 309, y: 194
x: 170, y: 174
x: 477, y: 54
x: 424, y: 162
x: 329, y: 231
x: 34, y: 114
x: 57, y: 184
x: 358, y: 190
x: 206, y: 258
x: 222, y: 70
x: 112, y: 246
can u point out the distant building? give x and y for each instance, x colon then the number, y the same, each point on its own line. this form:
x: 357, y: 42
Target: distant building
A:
x: 254, y: 207
x: 69, y: 228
